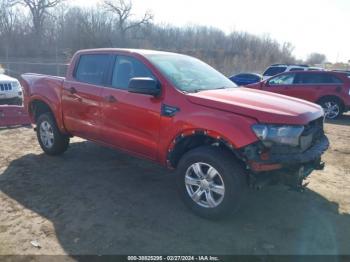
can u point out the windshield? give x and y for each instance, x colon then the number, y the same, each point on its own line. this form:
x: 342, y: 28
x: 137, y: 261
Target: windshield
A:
x: 189, y: 74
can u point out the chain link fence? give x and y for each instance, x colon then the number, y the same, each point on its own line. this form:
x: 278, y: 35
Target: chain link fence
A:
x: 16, y: 68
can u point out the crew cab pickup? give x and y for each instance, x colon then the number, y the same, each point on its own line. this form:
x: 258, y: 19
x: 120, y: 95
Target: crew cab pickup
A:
x: 180, y: 112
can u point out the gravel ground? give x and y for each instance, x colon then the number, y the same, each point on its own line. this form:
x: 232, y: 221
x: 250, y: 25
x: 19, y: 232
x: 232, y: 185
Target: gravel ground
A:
x: 94, y: 200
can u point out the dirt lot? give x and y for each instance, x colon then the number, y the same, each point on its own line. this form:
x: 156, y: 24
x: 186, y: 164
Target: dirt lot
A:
x: 94, y: 200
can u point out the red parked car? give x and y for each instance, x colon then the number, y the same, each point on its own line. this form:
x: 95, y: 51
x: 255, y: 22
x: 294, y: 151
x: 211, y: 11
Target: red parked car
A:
x: 181, y: 113
x: 331, y: 90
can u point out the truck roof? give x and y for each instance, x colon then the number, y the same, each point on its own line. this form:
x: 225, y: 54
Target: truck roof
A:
x: 123, y: 50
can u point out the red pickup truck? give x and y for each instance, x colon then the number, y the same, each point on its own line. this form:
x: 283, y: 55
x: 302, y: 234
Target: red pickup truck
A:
x: 180, y: 112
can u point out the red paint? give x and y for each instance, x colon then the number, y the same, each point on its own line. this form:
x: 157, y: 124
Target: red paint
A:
x: 311, y: 92
x: 135, y: 124
x: 13, y: 116
x: 258, y: 167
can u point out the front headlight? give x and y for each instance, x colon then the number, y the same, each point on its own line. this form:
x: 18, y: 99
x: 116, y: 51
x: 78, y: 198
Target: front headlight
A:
x: 279, y: 134
x: 16, y: 85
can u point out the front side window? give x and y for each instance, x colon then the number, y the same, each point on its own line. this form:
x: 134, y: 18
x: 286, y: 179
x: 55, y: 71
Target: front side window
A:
x: 126, y: 68
x: 286, y: 79
x: 275, y: 70
x: 92, y: 68
x: 189, y: 74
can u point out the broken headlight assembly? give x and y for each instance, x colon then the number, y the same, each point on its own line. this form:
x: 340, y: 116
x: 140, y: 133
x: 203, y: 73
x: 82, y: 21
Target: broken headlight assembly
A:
x: 278, y: 134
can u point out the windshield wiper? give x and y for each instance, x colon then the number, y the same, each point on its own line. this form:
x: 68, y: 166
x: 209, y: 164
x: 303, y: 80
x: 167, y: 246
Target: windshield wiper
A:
x: 204, y: 89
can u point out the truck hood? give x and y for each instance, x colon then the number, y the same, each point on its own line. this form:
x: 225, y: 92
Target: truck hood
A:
x: 265, y: 107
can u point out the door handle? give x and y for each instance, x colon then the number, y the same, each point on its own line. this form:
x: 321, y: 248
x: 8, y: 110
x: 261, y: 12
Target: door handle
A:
x: 111, y: 99
x: 72, y: 90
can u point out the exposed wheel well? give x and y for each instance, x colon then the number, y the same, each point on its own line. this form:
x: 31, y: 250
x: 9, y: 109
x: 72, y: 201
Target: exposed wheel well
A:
x: 183, y: 144
x: 38, y: 108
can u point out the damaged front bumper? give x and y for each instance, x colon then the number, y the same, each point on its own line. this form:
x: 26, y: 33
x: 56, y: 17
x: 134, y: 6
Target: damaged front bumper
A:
x: 282, y: 164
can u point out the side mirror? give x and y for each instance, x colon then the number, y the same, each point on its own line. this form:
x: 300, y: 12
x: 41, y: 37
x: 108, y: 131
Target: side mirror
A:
x: 144, y: 86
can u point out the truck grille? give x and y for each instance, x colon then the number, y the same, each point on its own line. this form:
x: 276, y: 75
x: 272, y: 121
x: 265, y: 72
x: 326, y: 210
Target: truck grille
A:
x: 5, y: 87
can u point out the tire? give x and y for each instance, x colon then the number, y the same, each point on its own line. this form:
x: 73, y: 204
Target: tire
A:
x: 332, y: 107
x: 214, y: 197
x: 51, y: 140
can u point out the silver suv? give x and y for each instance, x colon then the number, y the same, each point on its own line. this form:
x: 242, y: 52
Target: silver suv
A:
x: 10, y: 90
x: 281, y: 68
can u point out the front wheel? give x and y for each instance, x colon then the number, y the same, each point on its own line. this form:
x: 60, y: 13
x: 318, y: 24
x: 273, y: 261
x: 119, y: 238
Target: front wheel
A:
x: 210, y: 182
x: 51, y: 140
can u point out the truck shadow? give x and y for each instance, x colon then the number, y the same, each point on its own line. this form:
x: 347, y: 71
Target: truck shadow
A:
x: 343, y: 120
x: 105, y: 202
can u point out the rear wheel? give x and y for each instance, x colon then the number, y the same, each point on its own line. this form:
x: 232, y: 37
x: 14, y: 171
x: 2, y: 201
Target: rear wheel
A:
x: 332, y: 107
x: 210, y: 182
x: 51, y: 140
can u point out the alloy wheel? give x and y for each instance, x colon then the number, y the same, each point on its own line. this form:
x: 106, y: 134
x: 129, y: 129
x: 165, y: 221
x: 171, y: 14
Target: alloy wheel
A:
x: 205, y: 185
x: 331, y: 109
x: 46, y: 134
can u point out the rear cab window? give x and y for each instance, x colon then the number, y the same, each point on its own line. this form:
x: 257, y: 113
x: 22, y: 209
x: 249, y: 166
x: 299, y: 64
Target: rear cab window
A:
x: 92, y: 68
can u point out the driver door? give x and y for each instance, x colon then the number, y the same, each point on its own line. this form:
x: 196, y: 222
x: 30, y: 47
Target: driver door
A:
x: 130, y: 121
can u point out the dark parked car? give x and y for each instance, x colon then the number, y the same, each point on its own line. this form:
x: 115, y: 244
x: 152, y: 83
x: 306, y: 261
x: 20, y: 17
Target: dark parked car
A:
x: 245, y: 78
x: 329, y: 89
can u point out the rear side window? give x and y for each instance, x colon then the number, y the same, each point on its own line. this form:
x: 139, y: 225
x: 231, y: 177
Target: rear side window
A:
x: 317, y: 78
x: 92, y: 68
x: 296, y: 69
x: 272, y: 71
x: 331, y: 79
x: 126, y: 68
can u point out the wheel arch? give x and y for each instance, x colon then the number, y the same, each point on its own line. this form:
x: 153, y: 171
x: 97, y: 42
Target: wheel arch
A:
x: 323, y: 98
x: 39, y: 105
x: 192, y: 139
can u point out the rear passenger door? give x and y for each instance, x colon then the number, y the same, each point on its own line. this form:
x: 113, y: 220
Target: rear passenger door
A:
x: 312, y: 86
x: 130, y: 121
x: 306, y: 85
x: 81, y: 96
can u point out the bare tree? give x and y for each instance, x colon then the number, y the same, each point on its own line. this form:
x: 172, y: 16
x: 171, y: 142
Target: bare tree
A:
x: 123, y: 11
x: 68, y: 28
x: 38, y: 10
x: 316, y: 58
x: 8, y: 20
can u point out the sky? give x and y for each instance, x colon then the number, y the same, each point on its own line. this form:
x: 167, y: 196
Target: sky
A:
x: 321, y: 26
